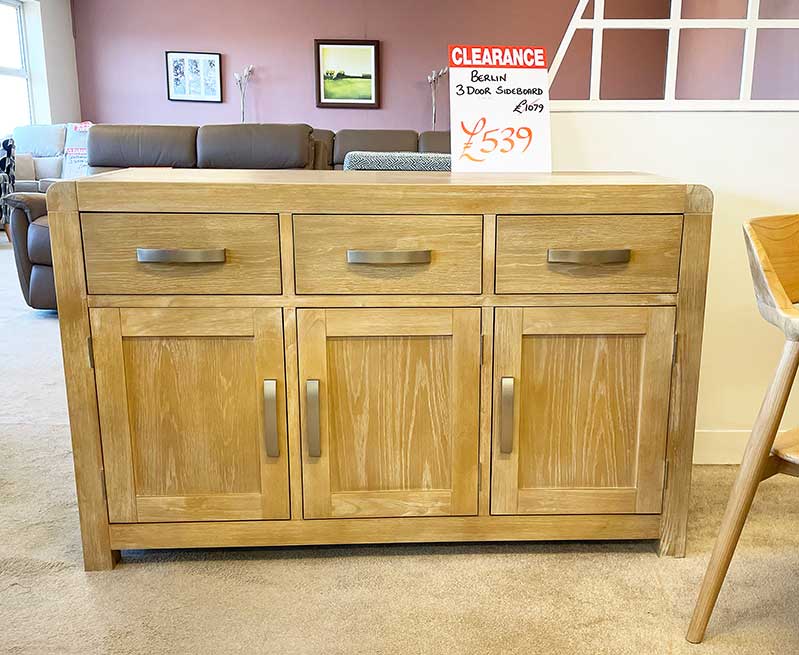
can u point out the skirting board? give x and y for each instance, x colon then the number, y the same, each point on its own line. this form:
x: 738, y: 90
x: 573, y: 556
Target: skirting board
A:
x: 720, y: 446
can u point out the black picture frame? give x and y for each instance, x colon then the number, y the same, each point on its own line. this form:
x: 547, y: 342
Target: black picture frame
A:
x: 319, y: 78
x: 170, y: 87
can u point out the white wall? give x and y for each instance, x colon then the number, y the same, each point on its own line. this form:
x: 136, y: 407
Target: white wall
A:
x: 51, y: 54
x: 748, y: 159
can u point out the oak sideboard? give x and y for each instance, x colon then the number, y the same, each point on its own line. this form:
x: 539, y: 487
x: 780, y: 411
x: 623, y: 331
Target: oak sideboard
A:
x: 258, y: 358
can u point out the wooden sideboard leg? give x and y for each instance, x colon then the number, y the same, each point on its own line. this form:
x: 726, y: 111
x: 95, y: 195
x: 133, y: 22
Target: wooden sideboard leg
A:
x: 685, y: 374
x: 73, y: 315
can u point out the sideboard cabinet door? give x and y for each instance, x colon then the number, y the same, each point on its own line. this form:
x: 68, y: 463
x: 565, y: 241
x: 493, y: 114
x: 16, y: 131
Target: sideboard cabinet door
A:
x: 581, y: 404
x: 192, y: 413
x: 389, y: 403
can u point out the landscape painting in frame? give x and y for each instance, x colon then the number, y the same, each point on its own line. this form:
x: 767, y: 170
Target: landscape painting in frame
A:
x: 347, y: 73
x: 194, y: 76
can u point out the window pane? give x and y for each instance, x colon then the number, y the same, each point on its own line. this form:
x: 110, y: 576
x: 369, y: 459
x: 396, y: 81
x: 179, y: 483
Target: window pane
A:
x: 776, y: 75
x: 14, y: 110
x: 709, y: 64
x: 11, y: 52
x: 715, y: 8
x: 633, y: 64
x: 637, y: 8
x: 573, y: 81
x: 779, y: 8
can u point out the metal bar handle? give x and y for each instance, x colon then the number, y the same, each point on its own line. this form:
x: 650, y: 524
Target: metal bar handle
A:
x: 389, y: 256
x: 270, y: 419
x: 506, y: 416
x: 180, y: 255
x: 312, y: 418
x: 588, y: 257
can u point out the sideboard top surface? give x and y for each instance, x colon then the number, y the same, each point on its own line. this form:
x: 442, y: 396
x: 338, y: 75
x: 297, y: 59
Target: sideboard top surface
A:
x: 300, y: 191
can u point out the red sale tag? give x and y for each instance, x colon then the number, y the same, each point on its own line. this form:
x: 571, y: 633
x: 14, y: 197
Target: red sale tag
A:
x: 499, y: 108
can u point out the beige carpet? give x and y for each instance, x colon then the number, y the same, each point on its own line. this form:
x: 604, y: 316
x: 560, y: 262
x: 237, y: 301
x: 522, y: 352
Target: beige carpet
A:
x: 569, y: 598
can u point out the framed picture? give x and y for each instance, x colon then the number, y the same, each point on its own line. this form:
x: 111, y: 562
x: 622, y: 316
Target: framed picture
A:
x: 194, y: 76
x: 347, y: 73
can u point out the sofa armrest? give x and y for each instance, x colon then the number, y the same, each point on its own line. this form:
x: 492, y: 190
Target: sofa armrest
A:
x: 46, y: 182
x: 33, y: 204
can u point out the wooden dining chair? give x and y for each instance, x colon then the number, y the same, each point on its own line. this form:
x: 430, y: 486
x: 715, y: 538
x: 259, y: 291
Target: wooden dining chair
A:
x: 773, y: 248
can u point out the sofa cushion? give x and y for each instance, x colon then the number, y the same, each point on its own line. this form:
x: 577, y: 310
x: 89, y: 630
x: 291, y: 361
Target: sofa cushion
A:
x: 39, y: 242
x: 24, y: 167
x: 437, y: 141
x: 124, y: 146
x: 41, y: 140
x: 254, y: 145
x: 48, y: 166
x: 323, y: 149
x: 373, y: 141
x: 41, y: 294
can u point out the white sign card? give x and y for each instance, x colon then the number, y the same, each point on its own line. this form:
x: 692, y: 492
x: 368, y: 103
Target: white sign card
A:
x: 499, y: 109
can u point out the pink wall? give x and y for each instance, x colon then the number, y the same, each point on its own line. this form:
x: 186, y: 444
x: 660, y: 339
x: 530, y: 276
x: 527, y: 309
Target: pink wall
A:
x: 121, y: 43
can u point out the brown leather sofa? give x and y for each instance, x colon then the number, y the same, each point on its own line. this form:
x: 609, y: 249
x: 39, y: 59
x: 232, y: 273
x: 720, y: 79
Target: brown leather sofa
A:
x: 250, y: 146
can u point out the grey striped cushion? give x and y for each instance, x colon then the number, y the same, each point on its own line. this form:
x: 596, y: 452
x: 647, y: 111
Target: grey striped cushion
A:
x: 358, y: 160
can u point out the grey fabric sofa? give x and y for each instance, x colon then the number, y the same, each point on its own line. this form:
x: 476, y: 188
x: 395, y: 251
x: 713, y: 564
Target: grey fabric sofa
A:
x: 250, y: 146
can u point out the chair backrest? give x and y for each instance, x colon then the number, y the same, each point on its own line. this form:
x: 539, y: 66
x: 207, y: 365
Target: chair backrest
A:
x: 773, y: 248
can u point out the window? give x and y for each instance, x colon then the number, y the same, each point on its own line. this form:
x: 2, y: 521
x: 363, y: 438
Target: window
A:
x: 678, y: 54
x: 15, y: 106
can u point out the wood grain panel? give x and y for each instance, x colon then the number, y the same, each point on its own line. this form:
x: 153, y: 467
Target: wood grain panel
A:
x: 579, y: 415
x: 382, y: 192
x: 378, y: 531
x: 193, y: 415
x: 488, y: 301
x: 507, y: 363
x: 576, y: 320
x: 523, y: 241
x: 187, y: 322
x: 269, y: 365
x: 590, y: 409
x: 390, y: 404
x: 432, y: 502
x: 400, y: 414
x: 321, y: 244
x: 113, y: 413
x: 200, y: 507
x: 577, y: 501
x: 379, y: 322
x: 685, y: 379
x: 252, y: 263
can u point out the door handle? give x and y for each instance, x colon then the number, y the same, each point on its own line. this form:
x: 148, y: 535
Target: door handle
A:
x: 588, y: 257
x: 180, y: 255
x: 270, y: 419
x: 389, y: 256
x: 506, y: 416
x: 312, y: 418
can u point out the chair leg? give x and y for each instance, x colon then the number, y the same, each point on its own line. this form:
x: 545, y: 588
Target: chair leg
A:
x: 743, y: 491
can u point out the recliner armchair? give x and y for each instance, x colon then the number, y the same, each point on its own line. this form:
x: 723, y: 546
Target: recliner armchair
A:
x: 30, y: 235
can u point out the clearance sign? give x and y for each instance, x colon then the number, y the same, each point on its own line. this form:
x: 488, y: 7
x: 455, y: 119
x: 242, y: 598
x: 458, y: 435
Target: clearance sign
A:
x: 499, y: 109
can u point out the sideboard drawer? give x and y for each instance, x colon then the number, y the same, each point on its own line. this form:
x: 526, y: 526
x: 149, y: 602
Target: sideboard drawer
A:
x: 181, y: 253
x: 588, y: 254
x: 347, y: 254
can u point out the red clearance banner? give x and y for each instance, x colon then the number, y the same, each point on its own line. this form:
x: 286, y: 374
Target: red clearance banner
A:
x: 497, y: 56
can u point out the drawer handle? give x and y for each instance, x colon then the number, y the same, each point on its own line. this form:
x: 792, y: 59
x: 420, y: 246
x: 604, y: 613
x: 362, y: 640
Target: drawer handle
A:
x: 588, y: 257
x: 388, y: 256
x: 506, y: 417
x: 180, y: 255
x: 270, y: 418
x: 312, y: 418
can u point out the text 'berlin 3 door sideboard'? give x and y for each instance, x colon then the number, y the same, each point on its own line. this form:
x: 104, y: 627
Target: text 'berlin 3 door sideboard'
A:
x: 320, y: 357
